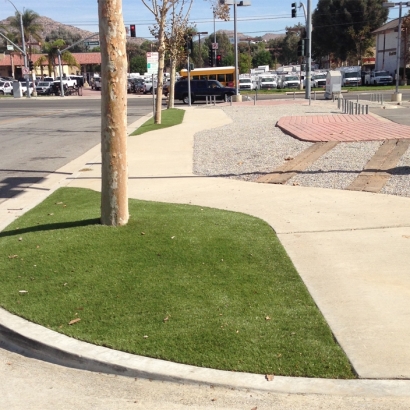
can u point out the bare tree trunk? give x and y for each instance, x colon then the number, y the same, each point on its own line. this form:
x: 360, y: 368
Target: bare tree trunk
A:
x: 171, y: 94
x: 114, y: 172
x: 161, y: 59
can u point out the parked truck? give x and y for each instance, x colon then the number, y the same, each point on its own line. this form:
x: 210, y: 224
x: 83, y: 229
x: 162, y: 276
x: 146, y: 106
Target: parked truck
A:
x: 351, y: 76
x: 267, y: 82
x: 288, y: 81
x: 378, y: 78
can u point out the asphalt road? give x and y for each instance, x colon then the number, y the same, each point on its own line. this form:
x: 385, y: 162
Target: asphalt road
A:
x: 39, y: 136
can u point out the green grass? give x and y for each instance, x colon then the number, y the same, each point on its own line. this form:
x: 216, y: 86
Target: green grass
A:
x: 169, y: 118
x: 183, y: 283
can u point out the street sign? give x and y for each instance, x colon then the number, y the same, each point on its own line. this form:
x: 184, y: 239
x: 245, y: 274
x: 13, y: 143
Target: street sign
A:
x: 152, y: 63
x: 92, y: 43
x: 10, y: 47
x: 214, y: 46
x: 25, y: 70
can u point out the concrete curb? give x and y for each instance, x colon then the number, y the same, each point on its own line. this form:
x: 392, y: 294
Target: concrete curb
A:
x: 23, y: 337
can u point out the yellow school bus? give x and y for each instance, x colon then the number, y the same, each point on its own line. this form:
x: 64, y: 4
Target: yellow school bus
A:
x: 225, y: 75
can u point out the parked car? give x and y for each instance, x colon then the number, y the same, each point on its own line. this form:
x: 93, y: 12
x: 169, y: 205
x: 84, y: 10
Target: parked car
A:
x: 200, y: 89
x: 137, y: 85
x: 44, y: 88
x: 96, y: 83
x: 6, y: 87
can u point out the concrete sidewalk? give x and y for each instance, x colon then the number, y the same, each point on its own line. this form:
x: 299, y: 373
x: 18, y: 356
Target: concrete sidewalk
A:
x: 350, y: 248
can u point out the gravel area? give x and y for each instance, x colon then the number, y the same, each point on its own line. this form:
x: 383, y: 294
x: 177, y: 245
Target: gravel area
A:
x: 252, y: 146
x: 339, y: 167
x: 249, y: 147
x: 399, y: 183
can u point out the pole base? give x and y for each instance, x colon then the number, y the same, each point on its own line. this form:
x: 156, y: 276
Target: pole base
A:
x: 396, y: 97
x: 236, y: 98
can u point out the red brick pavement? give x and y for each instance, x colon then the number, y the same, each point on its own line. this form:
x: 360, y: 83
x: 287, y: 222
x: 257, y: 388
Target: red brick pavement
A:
x: 342, y: 127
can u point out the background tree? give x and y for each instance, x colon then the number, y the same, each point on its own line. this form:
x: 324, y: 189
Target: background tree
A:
x: 160, y: 10
x: 51, y: 57
x: 245, y: 63
x: 31, y: 27
x: 337, y: 25
x: 225, y: 48
x: 262, y: 57
x: 69, y: 39
x: 138, y: 64
x: 175, y: 34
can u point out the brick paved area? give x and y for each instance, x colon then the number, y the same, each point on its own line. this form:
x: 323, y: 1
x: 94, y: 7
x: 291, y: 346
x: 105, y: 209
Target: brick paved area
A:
x: 342, y: 127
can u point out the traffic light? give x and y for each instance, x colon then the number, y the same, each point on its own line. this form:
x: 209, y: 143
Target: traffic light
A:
x: 211, y: 57
x: 301, y: 47
x: 218, y: 60
x: 31, y: 65
x: 132, y: 30
x: 293, y: 10
x: 188, y: 43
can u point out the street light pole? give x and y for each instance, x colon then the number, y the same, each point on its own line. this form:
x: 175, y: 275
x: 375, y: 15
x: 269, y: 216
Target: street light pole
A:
x: 23, y: 43
x: 235, y: 3
x: 214, y: 59
x: 309, y: 50
x: 397, y: 96
x: 235, y: 40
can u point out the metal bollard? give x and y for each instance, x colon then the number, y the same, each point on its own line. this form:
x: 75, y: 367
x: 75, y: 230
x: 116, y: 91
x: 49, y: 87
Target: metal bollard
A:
x: 338, y: 103
x: 381, y: 99
x: 293, y: 95
x: 367, y: 109
x: 314, y: 95
x: 378, y: 97
x: 254, y: 100
x: 355, y: 108
x: 362, y: 109
x: 358, y: 109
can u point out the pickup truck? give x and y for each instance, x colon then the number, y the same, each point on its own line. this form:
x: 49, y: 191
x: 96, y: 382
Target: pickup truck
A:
x: 6, y: 87
x: 378, y: 78
x: 96, y: 83
x: 69, y: 81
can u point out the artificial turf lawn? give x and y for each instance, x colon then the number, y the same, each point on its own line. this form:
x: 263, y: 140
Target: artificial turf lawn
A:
x: 169, y: 118
x: 183, y: 283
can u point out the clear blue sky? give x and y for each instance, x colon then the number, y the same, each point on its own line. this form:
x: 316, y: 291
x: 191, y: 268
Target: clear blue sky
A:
x: 263, y: 16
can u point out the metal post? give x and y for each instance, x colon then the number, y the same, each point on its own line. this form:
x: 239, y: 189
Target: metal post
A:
x: 60, y: 69
x: 214, y: 59
x: 398, y: 51
x: 381, y: 99
x: 355, y: 108
x: 254, y: 100
x: 309, y: 50
x: 189, y: 82
x: 293, y: 95
x: 367, y: 109
x: 236, y: 48
x: 153, y: 96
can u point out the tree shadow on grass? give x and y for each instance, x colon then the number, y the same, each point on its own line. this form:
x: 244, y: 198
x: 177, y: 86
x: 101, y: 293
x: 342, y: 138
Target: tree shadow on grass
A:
x: 51, y: 227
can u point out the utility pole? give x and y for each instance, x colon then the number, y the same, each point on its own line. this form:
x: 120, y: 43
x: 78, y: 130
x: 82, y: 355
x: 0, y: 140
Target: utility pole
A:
x: 114, y: 167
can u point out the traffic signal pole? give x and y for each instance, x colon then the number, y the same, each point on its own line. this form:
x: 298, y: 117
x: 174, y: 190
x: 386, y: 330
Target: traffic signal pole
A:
x: 308, y: 51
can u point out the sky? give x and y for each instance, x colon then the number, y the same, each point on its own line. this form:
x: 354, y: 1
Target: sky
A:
x: 263, y: 16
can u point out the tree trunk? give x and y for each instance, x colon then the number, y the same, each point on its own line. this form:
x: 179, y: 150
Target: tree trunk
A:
x: 172, y: 84
x: 114, y: 172
x: 161, y: 59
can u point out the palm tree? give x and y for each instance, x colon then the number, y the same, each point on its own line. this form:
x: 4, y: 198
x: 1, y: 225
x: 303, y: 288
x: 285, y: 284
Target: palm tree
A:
x: 31, y: 28
x: 51, y: 50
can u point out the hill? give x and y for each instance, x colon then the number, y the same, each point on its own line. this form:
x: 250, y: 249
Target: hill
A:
x: 50, y: 25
